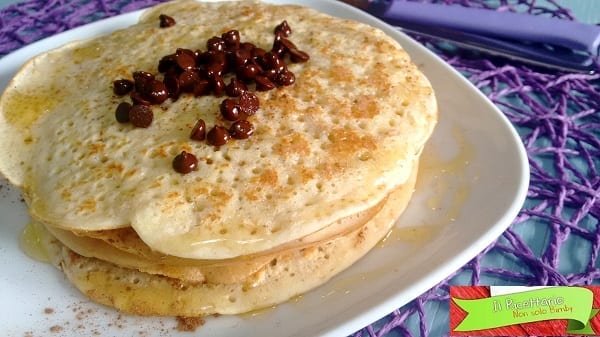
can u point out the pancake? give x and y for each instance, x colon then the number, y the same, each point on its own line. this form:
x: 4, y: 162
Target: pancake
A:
x: 282, y: 277
x: 335, y: 143
x: 130, y: 252
x: 127, y: 240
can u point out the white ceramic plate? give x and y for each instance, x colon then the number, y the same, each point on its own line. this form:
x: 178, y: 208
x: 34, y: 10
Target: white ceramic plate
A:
x: 473, y: 182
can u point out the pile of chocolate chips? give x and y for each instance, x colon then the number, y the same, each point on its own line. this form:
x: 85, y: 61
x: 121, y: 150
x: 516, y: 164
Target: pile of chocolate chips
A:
x: 201, y: 73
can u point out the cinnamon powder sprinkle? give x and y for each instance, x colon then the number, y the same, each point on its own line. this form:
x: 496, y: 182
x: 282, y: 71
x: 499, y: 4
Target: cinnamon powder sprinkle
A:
x: 56, y: 328
x: 189, y: 324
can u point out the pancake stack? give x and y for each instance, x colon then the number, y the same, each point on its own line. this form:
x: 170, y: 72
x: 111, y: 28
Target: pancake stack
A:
x: 328, y: 167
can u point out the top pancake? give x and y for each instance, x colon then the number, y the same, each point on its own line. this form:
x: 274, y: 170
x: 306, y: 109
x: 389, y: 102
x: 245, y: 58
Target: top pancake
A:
x: 334, y: 143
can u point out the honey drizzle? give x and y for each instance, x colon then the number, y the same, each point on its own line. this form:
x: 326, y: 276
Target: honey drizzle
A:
x: 258, y: 312
x: 23, y: 109
x: 31, y: 244
x: 447, y: 191
x: 88, y: 51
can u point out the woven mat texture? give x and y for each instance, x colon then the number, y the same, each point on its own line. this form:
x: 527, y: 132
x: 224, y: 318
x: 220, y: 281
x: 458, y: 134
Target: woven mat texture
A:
x: 555, y: 239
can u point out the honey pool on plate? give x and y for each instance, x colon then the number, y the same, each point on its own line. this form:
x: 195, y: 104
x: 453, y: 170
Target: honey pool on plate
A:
x: 443, y: 182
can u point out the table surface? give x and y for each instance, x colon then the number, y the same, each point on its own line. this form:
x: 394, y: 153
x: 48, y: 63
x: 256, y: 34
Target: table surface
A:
x: 436, y: 324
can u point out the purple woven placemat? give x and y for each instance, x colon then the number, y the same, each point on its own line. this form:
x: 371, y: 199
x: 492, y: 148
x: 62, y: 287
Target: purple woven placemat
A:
x: 555, y: 240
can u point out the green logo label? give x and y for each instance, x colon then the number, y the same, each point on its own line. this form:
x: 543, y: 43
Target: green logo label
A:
x: 572, y: 303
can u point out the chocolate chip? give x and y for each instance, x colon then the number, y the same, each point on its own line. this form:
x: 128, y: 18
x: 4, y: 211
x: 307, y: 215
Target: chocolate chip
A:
x: 249, y: 71
x: 231, y: 39
x: 138, y: 99
x: 218, y: 136
x: 213, y: 70
x: 258, y: 53
x: 240, y: 57
x: 142, y: 79
x: 263, y: 83
x: 270, y: 74
x: 283, y: 29
x: 188, y: 79
x: 247, y: 46
x: 249, y: 103
x: 235, y: 87
x: 185, y: 163
x: 216, y: 58
x: 278, y: 48
x: 218, y: 85
x: 230, y: 109
x: 270, y: 60
x: 297, y: 55
x: 215, y: 43
x: 199, y: 130
x: 122, y: 87
x: 171, y: 81
x: 141, y: 116
x: 166, y: 21
x: 287, y: 44
x: 198, y: 53
x: 167, y: 63
x: 122, y: 112
x: 241, y: 129
x: 185, y: 59
x: 157, y: 92
x: 285, y: 78
x: 202, y: 87
x: 202, y: 56
x: 142, y: 75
